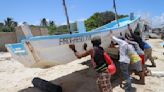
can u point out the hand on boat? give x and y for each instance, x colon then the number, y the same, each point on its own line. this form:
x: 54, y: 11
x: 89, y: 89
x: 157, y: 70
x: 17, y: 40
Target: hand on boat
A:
x: 130, y: 29
x: 110, y: 34
x: 72, y: 47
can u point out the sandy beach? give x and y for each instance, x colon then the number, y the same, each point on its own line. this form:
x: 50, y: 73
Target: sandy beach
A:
x: 73, y: 77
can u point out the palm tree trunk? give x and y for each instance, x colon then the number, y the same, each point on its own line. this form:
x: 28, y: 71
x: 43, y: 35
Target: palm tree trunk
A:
x: 66, y: 14
x: 114, y: 6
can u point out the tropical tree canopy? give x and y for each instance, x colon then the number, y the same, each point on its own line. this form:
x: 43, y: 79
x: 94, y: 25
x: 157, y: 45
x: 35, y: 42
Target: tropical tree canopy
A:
x: 96, y: 20
x: 51, y: 23
x: 51, y: 27
x: 99, y: 19
x: 9, y: 25
x: 1, y: 27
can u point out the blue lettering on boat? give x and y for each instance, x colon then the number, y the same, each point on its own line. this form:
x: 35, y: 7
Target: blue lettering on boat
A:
x: 73, y: 40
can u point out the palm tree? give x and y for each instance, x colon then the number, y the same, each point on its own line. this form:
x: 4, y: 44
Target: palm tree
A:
x: 25, y: 23
x: 52, y: 27
x: 10, y: 24
x: 1, y: 24
x: 44, y: 22
x: 51, y: 23
x: 15, y: 24
x: 66, y: 14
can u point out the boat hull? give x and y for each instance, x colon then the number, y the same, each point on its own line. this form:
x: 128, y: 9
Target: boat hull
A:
x: 54, y: 50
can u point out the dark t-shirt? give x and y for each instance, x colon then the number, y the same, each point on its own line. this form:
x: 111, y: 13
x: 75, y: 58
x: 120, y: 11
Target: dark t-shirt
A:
x: 138, y: 39
x: 98, y: 56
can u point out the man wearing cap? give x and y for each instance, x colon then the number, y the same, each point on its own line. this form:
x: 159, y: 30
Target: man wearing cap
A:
x: 98, y: 62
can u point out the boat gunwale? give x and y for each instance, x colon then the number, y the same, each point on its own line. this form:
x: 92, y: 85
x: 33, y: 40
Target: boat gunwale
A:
x: 76, y: 34
x: 79, y: 34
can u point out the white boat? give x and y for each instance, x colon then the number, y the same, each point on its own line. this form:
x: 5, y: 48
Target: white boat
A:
x: 43, y: 51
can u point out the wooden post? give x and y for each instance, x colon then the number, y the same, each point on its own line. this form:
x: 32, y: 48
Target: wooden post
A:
x: 66, y: 14
x: 114, y: 6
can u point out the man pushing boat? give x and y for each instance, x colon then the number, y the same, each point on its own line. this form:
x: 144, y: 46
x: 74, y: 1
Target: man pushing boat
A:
x: 124, y: 61
x: 99, y: 63
x: 143, y: 45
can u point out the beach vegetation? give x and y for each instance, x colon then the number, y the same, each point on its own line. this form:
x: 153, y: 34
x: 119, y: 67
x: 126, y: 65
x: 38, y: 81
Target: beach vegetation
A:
x: 8, y: 25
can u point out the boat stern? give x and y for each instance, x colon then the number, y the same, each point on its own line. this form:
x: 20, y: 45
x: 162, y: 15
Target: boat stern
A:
x: 19, y: 53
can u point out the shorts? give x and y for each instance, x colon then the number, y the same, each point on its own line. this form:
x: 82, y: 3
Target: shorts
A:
x: 103, y: 81
x: 136, y: 66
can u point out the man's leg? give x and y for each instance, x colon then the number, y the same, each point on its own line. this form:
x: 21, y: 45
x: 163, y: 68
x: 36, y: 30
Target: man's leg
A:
x: 148, y: 55
x: 143, y: 64
x: 126, y: 77
x: 103, y: 81
x: 142, y: 77
x: 137, y: 67
x: 141, y: 72
x: 151, y: 58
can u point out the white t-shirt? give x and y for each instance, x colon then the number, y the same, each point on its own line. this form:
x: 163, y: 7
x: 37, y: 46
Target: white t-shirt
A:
x: 122, y: 50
